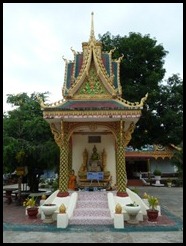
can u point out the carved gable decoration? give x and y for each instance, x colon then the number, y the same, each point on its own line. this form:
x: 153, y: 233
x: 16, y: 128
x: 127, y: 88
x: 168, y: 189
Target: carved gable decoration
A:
x: 92, y: 86
x: 91, y: 78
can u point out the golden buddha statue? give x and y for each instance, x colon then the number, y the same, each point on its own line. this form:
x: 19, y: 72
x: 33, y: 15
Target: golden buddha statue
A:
x: 82, y: 173
x: 96, y: 163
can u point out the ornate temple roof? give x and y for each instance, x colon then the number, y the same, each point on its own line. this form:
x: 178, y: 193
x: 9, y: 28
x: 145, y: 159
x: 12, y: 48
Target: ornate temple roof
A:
x: 155, y: 152
x: 92, y: 73
x: 92, y: 81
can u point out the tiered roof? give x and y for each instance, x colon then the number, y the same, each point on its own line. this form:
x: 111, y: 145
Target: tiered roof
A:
x: 92, y: 82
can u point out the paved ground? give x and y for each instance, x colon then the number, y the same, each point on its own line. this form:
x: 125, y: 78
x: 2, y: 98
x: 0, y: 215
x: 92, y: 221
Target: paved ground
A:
x: 171, y: 199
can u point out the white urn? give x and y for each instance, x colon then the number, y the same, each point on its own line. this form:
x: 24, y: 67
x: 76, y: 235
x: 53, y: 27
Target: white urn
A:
x: 132, y: 209
x: 48, y: 210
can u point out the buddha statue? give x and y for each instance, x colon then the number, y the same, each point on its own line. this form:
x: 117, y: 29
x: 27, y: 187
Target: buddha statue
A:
x: 82, y: 173
x: 104, y: 164
x: 96, y: 163
x: 95, y: 156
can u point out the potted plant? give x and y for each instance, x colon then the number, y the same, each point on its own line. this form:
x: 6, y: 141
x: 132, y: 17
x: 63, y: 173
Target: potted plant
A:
x: 31, y: 208
x: 169, y: 182
x: 152, y: 212
x: 157, y: 172
x: 145, y: 198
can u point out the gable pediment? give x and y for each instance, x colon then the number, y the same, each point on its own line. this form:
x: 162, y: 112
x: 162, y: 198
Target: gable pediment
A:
x: 92, y: 86
x: 96, y: 70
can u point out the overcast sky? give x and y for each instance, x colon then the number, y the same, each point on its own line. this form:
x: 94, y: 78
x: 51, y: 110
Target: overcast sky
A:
x: 37, y: 35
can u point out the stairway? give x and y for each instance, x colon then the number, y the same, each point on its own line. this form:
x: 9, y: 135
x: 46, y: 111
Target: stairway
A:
x: 91, y: 209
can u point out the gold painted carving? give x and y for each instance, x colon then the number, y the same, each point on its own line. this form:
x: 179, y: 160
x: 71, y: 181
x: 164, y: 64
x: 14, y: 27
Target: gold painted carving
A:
x: 58, y: 134
x: 92, y: 85
x: 93, y: 127
x: 128, y: 133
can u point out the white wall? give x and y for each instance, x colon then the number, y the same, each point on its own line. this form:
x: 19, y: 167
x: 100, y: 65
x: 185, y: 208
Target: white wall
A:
x: 80, y: 142
x: 164, y: 166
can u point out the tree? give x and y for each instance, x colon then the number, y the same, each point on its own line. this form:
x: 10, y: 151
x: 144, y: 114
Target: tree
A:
x: 169, y: 111
x: 142, y: 71
x: 177, y: 160
x: 27, y: 139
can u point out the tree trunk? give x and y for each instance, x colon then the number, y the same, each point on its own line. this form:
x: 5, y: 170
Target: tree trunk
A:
x: 33, y: 182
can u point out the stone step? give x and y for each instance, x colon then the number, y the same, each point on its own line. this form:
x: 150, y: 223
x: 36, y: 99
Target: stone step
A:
x: 92, y: 204
x: 91, y: 221
x: 91, y: 212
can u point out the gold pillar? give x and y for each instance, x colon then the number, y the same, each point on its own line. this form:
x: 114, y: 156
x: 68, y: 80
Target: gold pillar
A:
x: 60, y: 136
x: 70, y: 155
x: 120, y: 164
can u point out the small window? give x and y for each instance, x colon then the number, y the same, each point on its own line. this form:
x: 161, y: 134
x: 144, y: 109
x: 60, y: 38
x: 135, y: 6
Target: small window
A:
x: 94, y: 139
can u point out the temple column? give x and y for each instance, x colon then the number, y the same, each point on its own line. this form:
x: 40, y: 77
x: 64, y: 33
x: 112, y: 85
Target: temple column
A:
x: 120, y: 164
x: 70, y: 155
x: 121, y: 172
x: 63, y: 172
x: 124, y: 138
x: 61, y: 137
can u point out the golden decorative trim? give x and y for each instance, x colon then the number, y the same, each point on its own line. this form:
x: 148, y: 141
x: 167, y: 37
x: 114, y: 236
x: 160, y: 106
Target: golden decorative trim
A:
x: 135, y: 104
x: 92, y: 85
x: 92, y: 37
x: 111, y: 126
x: 94, y: 96
x: 108, y: 113
x: 149, y: 154
x: 128, y: 133
x: 93, y: 127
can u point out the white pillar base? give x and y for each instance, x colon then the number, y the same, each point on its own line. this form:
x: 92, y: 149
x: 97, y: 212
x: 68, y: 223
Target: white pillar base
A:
x: 118, y: 221
x: 159, y: 210
x: 62, y: 220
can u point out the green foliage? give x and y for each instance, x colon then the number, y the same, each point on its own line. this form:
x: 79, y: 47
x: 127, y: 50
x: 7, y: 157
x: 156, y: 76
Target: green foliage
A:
x: 142, y: 71
x: 27, y: 138
x: 170, y: 110
x: 157, y: 172
x: 177, y: 160
x: 55, y: 184
x: 153, y: 202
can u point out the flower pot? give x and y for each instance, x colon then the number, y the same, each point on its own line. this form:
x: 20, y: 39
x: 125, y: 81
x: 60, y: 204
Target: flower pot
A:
x: 132, y: 212
x: 132, y: 209
x: 157, y: 178
x: 152, y: 215
x: 169, y: 184
x: 32, y: 212
x: 48, y: 210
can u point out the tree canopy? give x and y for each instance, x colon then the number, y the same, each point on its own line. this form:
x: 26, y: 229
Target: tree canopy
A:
x: 141, y: 71
x: 27, y: 138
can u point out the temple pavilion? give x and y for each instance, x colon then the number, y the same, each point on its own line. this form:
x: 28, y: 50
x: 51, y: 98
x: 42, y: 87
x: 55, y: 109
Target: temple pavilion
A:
x: 92, y: 124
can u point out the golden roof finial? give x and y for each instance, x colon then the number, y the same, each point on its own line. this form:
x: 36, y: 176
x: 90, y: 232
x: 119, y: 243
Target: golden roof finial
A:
x: 92, y: 27
x: 74, y: 52
x: 64, y: 59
